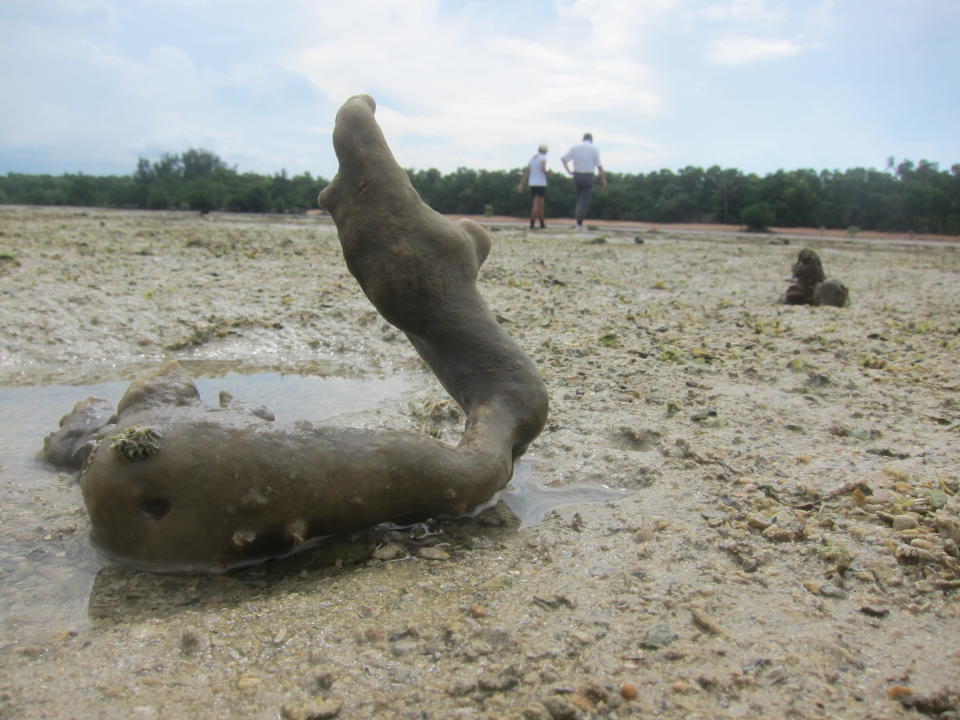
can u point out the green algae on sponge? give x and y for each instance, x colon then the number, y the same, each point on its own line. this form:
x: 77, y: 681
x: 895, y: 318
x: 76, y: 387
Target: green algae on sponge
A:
x: 135, y: 443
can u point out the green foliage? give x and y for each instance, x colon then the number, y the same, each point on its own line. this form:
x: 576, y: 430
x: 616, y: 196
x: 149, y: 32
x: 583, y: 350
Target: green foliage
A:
x: 906, y: 196
x: 197, y: 180
x: 758, y: 216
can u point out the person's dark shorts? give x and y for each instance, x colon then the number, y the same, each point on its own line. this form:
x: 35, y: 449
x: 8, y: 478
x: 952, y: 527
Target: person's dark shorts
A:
x: 538, y: 190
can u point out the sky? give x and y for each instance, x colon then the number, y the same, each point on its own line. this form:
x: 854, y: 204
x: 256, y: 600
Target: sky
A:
x: 92, y: 85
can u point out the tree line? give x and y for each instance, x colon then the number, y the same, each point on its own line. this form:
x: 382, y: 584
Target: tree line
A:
x: 196, y: 180
x: 904, y: 197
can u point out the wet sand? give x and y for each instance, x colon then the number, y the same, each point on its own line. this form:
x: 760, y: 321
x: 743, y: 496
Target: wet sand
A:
x: 778, y: 535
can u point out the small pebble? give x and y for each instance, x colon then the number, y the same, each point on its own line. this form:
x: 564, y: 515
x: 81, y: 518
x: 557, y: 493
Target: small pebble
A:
x: 248, y: 682
x: 433, y: 553
x: 758, y: 521
x: 832, y: 591
x: 477, y: 611
x: 778, y: 533
x: 628, y: 691
x: 400, y: 649
x: 560, y: 708
x: 322, y: 710
x: 374, y: 635
x: 390, y: 551
x: 459, y: 688
x: 898, y: 692
x: 705, y: 622
x: 906, y: 521
x: 536, y: 712
x: 658, y: 637
x: 702, y: 415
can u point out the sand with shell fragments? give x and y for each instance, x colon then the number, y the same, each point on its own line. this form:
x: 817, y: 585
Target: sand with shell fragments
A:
x: 780, y: 537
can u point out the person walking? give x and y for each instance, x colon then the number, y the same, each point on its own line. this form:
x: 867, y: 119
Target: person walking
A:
x: 535, y: 174
x: 586, y: 159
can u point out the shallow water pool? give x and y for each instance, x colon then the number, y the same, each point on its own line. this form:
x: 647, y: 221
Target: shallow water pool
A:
x: 47, y: 565
x: 48, y: 569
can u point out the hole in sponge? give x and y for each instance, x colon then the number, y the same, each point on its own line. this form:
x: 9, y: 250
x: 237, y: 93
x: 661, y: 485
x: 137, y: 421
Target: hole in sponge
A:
x: 155, y: 507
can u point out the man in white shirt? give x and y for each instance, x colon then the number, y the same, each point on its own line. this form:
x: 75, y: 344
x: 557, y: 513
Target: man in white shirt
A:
x: 586, y: 159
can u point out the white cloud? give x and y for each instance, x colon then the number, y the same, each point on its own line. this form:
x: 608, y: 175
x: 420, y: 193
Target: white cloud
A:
x: 477, y: 92
x: 753, y: 31
x: 168, y: 79
x: 744, y: 11
x: 614, y: 24
x: 736, y: 50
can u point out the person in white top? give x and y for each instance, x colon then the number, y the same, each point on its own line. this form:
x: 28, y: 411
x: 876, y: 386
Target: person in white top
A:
x: 536, y: 175
x: 586, y: 159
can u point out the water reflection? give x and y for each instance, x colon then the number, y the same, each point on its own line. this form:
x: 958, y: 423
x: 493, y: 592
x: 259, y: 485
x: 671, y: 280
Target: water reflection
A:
x: 530, y: 500
x: 120, y: 593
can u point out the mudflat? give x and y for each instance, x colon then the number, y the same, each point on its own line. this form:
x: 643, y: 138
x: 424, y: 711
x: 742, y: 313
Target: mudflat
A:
x: 775, y: 520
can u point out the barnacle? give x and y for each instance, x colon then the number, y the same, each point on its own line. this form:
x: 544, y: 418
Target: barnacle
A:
x: 135, y: 443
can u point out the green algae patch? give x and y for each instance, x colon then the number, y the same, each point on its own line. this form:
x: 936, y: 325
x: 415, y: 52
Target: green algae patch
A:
x: 135, y: 443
